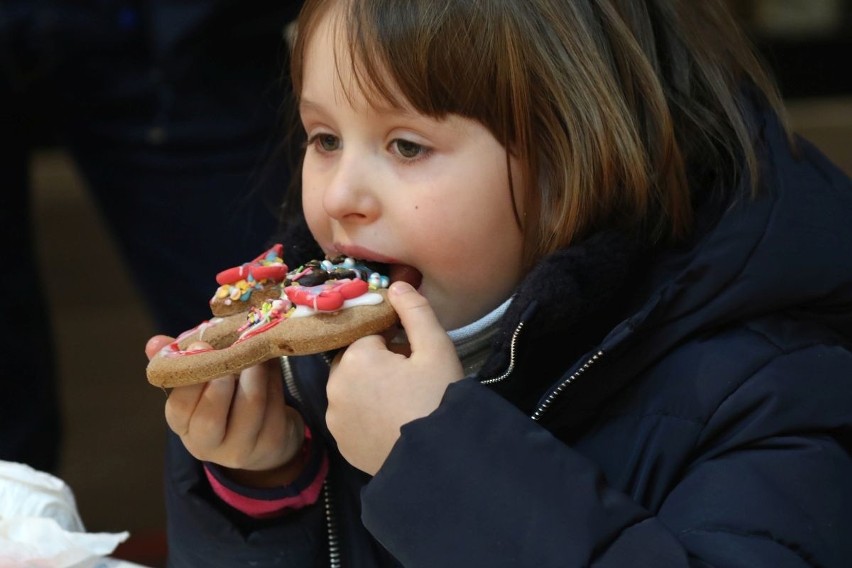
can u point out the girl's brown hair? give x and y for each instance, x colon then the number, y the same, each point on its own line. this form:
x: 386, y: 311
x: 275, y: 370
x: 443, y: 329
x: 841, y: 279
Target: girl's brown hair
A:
x: 610, y: 106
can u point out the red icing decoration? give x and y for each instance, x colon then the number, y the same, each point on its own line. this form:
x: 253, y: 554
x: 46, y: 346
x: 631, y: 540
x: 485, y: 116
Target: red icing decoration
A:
x: 174, y: 349
x: 259, y: 329
x: 329, y: 296
x: 256, y: 269
x: 354, y: 288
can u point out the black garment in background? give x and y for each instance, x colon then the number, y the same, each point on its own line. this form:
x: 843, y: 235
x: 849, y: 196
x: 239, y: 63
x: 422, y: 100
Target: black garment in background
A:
x: 171, y: 109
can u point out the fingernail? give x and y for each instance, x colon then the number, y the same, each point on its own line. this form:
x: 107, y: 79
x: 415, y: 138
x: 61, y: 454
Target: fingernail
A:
x: 400, y: 287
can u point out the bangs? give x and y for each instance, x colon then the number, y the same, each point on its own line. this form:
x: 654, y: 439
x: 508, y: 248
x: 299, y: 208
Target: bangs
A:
x: 419, y: 55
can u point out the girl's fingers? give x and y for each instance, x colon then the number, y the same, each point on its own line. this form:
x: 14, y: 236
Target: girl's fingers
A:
x: 181, y: 405
x: 248, y: 411
x: 209, y: 422
x: 155, y: 344
x: 417, y: 317
x: 240, y: 423
x: 283, y: 433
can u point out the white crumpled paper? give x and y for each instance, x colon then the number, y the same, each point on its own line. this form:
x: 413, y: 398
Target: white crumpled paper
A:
x: 39, y: 523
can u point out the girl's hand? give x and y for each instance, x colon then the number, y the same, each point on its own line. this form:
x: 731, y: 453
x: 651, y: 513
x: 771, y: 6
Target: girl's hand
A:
x: 241, y: 423
x: 373, y: 391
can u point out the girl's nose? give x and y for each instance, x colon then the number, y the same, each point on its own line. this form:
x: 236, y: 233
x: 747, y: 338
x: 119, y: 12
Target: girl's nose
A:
x: 349, y: 197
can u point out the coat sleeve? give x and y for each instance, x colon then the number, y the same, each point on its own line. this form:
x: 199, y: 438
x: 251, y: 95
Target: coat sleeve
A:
x: 477, y: 483
x: 204, y: 531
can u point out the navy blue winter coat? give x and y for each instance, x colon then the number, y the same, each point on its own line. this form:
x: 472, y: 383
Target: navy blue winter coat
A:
x: 687, y: 407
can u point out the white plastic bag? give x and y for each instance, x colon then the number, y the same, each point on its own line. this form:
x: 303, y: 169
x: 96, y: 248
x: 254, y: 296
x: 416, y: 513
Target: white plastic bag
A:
x: 39, y: 523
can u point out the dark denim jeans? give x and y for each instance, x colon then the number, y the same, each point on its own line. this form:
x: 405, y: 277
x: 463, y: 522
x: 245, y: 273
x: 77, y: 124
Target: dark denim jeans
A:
x: 172, y: 112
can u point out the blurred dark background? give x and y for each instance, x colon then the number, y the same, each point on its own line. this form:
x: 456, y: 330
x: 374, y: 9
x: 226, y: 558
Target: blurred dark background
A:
x: 807, y: 43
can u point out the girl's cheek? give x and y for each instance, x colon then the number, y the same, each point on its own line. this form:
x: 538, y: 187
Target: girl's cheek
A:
x: 312, y: 210
x: 313, y: 215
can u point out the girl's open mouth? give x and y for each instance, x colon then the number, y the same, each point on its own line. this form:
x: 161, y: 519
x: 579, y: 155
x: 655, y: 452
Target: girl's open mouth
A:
x: 383, y: 264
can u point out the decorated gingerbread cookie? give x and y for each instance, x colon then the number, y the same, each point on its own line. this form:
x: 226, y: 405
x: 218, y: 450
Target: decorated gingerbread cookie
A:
x: 320, y: 306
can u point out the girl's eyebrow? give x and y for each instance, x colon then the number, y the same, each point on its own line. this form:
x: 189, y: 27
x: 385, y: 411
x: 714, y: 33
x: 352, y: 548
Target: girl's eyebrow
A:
x: 307, y: 104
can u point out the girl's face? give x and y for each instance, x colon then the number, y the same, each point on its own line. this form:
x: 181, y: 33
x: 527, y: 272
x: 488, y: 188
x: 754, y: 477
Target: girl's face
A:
x: 429, y: 197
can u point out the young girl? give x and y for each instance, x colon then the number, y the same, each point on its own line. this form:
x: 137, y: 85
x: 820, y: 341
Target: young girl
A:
x: 625, y: 290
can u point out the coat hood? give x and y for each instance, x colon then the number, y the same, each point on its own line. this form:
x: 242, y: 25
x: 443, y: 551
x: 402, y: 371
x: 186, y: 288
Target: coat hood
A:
x: 788, y: 250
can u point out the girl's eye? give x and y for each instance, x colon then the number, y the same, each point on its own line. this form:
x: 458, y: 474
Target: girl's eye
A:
x: 408, y: 149
x: 325, y: 142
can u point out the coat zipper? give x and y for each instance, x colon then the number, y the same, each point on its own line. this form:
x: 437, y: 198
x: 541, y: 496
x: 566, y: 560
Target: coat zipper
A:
x: 328, y: 504
x: 331, y: 527
x: 554, y: 394
x: 512, y: 352
x: 289, y: 380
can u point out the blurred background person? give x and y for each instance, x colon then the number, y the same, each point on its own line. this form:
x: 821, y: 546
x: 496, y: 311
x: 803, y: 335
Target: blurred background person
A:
x: 165, y: 106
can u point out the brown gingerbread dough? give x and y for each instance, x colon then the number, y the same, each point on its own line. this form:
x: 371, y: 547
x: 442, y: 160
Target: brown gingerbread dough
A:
x: 280, y: 328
